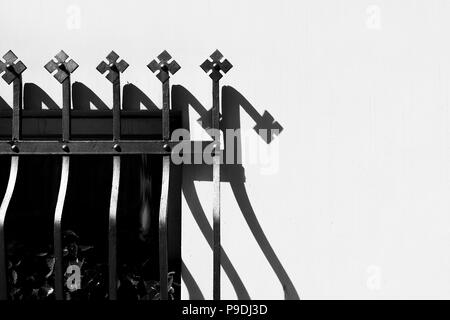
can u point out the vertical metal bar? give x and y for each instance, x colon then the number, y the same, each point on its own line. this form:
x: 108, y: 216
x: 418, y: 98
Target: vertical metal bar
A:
x: 163, y: 208
x: 165, y: 111
x: 16, y: 135
x: 216, y: 192
x: 57, y: 236
x: 164, y: 69
x: 216, y: 67
x: 3, y: 210
x: 113, y: 69
x: 17, y: 109
x: 116, y: 108
x: 112, y: 229
x: 66, y: 109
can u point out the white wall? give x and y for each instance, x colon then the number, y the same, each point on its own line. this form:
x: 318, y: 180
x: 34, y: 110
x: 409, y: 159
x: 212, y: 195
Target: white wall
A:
x: 359, y: 206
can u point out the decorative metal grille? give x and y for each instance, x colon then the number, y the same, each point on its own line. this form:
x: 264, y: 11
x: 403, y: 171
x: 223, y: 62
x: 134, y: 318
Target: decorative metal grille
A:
x: 66, y: 147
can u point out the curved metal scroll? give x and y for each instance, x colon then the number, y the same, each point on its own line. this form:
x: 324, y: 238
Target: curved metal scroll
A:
x: 57, y: 236
x: 163, y: 209
x: 3, y: 209
x: 112, y: 230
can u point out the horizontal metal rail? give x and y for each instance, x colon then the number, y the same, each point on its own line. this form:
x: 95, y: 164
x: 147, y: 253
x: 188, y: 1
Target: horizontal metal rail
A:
x: 108, y: 147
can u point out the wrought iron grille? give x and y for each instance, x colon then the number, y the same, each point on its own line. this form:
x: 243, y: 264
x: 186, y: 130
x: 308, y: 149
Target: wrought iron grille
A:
x: 67, y: 146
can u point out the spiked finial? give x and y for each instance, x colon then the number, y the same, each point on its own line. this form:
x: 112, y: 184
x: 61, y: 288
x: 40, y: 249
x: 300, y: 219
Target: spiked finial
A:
x: 10, y: 67
x: 113, y: 66
x: 164, y: 67
x: 217, y: 63
x: 62, y: 66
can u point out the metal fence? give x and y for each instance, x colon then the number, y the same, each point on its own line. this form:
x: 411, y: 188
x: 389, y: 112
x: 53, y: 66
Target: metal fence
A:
x: 65, y: 147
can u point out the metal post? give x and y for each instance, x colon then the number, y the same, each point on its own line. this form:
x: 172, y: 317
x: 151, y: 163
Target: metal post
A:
x: 63, y: 68
x: 114, y: 69
x: 216, y: 65
x: 165, y: 68
x: 12, y: 73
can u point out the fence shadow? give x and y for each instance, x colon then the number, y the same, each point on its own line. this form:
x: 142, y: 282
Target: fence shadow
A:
x: 232, y: 102
x: 133, y: 98
x: 4, y: 105
x: 34, y: 97
x: 83, y: 97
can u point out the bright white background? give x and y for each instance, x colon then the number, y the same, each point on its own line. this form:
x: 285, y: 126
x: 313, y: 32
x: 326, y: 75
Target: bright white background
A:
x: 359, y: 206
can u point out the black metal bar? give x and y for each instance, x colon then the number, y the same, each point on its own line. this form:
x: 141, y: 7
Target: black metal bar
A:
x: 17, y: 109
x: 215, y: 67
x: 98, y: 147
x: 164, y: 69
x: 13, y: 73
x: 65, y: 167
x: 66, y: 98
x: 116, y: 109
x: 164, y: 204
x: 112, y: 229
x: 57, y: 231
x: 163, y: 236
x: 114, y: 69
x: 165, y: 111
x: 216, y: 193
x: 63, y: 68
x: 93, y: 124
x: 3, y: 210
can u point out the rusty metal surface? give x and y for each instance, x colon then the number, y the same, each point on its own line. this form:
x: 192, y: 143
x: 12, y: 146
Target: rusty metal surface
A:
x: 215, y: 66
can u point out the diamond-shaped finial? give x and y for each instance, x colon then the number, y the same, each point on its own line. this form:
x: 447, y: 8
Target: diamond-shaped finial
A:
x: 216, y: 64
x: 10, y: 67
x: 113, y: 67
x: 64, y: 68
x: 164, y: 67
